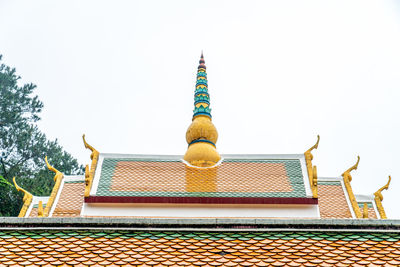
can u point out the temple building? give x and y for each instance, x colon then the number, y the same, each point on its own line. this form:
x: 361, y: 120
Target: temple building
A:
x: 201, y: 209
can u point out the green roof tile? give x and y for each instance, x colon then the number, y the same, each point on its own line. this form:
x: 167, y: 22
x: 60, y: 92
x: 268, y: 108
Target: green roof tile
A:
x: 292, y: 168
x: 333, y: 236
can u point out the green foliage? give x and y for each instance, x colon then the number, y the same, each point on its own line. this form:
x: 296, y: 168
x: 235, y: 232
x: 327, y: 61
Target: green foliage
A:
x: 23, y: 146
x: 4, y: 182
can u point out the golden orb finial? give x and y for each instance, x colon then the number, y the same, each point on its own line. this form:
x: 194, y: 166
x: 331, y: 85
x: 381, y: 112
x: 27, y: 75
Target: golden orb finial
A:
x: 202, y: 134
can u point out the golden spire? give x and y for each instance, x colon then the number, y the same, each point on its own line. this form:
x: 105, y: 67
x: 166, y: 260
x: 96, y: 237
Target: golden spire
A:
x: 202, y: 134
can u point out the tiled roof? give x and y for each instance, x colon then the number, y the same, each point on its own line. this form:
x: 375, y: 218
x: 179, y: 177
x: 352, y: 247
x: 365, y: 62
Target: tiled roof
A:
x: 371, y: 210
x: 34, y: 211
x: 35, y: 206
x: 332, y: 201
x: 173, y: 178
x: 71, y: 199
x: 89, y: 247
x: 235, y: 177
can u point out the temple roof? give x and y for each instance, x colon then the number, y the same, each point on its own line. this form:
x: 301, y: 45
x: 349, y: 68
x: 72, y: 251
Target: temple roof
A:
x: 250, y: 186
x: 68, y: 201
x: 203, y: 183
x: 246, y: 176
x: 199, y: 242
x: 202, y: 209
x: 333, y: 199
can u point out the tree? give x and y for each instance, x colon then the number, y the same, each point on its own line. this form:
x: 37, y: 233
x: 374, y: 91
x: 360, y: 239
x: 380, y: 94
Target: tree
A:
x: 23, y: 146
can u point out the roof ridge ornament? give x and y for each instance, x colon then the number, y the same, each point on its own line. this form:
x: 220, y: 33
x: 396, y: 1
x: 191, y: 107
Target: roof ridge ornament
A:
x: 354, y: 167
x: 379, y: 197
x: 312, y: 170
x: 89, y: 174
x: 365, y: 210
x: 40, y: 209
x: 201, y: 135
x: 314, y: 146
x: 57, y: 178
x: 347, y: 179
x: 51, y: 168
x: 27, y: 199
x: 87, y: 145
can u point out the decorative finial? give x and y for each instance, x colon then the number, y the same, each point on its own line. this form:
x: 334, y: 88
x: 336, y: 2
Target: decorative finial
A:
x: 51, y: 168
x: 354, y: 167
x: 312, y: 170
x: 57, y: 178
x: 27, y: 199
x: 202, y: 62
x: 40, y: 209
x: 347, y: 179
x: 86, y: 144
x: 365, y: 211
x: 202, y: 134
x: 379, y: 197
x: 385, y: 187
x: 20, y: 188
x: 314, y: 146
x: 89, y: 174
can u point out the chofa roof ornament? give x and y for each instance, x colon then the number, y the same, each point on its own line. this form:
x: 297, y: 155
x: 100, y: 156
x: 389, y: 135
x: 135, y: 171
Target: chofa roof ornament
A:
x: 312, y: 170
x: 27, y: 199
x: 89, y: 174
x: 347, y: 179
x: 379, y: 198
x: 57, y: 178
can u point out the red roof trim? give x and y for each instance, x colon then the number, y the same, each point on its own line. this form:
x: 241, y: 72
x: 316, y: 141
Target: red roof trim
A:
x: 202, y: 200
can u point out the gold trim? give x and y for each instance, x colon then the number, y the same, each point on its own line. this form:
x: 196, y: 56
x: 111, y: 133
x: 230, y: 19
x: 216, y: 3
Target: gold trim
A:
x: 27, y: 199
x: 40, y: 209
x: 89, y: 175
x: 378, y: 199
x: 312, y: 170
x: 347, y: 179
x: 57, y: 178
x: 365, y: 210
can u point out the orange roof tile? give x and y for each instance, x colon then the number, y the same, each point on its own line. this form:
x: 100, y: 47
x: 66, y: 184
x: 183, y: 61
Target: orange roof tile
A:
x: 34, y: 212
x: 371, y: 210
x: 229, y: 177
x: 332, y: 201
x: 242, y: 178
x: 220, y: 248
x: 71, y: 200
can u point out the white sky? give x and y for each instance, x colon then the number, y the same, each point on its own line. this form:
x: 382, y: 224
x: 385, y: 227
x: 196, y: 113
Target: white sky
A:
x: 280, y: 72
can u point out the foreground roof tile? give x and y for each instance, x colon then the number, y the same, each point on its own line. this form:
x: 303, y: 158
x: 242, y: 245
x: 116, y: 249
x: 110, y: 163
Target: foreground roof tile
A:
x: 199, y: 247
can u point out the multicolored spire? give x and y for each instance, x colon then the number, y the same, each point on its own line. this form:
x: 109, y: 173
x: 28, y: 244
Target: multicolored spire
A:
x: 201, y: 96
x: 202, y: 134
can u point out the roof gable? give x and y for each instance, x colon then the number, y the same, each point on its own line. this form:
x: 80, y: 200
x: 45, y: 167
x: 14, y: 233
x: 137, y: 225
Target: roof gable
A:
x: 253, y: 176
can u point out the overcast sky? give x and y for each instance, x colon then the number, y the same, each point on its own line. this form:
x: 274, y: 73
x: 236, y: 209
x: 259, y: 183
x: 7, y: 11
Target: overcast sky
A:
x: 280, y: 72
